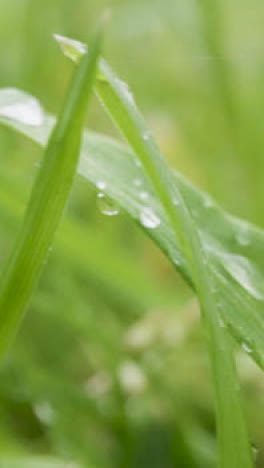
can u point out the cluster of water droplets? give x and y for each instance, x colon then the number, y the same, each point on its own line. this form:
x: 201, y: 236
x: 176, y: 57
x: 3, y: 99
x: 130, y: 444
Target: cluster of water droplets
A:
x: 105, y: 205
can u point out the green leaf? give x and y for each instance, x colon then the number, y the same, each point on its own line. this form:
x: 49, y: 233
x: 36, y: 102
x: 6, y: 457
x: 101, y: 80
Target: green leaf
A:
x: 48, y: 197
x: 234, y: 247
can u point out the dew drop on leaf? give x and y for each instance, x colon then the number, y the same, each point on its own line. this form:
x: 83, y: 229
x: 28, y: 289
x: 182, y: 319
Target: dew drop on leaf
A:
x: 101, y: 185
x: 105, y: 206
x: 246, y: 348
x: 149, y: 219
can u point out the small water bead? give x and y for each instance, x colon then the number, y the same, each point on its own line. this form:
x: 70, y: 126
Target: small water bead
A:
x: 149, y: 219
x: 138, y: 163
x: 176, y: 202
x: 105, y: 206
x: 101, y: 185
x: 247, y: 348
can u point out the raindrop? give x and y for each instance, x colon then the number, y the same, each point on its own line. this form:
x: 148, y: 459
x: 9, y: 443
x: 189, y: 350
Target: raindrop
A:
x: 247, y: 348
x: 149, y: 219
x: 106, y: 207
x: 101, y: 185
x: 176, y: 202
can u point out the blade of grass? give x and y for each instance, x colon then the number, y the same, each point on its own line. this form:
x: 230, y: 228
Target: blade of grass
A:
x: 47, y: 201
x: 234, y: 447
x: 234, y: 247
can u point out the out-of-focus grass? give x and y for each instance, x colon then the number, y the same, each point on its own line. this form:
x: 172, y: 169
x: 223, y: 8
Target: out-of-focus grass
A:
x: 114, y: 398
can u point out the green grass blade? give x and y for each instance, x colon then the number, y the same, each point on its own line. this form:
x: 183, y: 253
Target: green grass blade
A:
x: 235, y: 449
x: 47, y: 201
x: 235, y: 248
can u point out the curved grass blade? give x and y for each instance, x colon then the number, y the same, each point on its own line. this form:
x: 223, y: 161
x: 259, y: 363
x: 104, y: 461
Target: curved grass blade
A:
x: 235, y: 248
x: 230, y: 419
x: 47, y: 201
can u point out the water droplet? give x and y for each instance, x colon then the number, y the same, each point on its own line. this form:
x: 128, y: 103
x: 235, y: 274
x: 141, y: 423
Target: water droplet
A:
x: 101, y: 185
x: 21, y: 107
x: 247, y: 348
x: 176, y: 202
x: 144, y: 195
x: 106, y: 206
x: 138, y: 163
x: 149, y: 219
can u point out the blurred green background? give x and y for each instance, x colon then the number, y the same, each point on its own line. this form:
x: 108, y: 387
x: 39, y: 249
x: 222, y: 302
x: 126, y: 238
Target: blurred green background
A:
x: 110, y: 366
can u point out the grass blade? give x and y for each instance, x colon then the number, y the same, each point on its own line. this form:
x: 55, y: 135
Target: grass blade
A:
x: 235, y: 248
x: 234, y: 447
x: 47, y: 201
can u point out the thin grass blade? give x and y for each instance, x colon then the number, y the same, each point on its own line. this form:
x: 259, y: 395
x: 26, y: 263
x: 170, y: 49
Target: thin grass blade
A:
x: 47, y: 201
x: 234, y: 447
